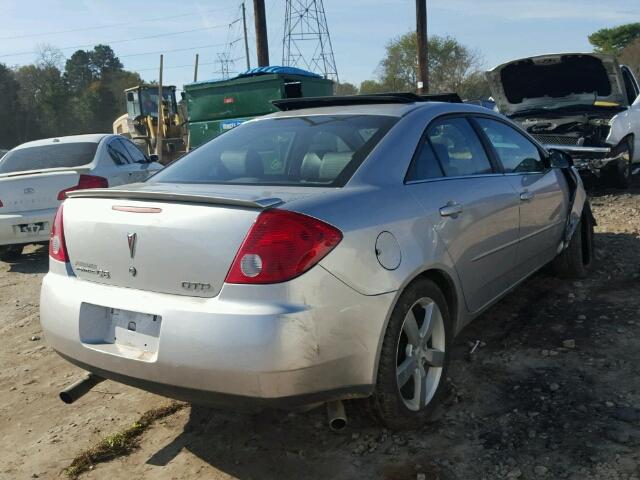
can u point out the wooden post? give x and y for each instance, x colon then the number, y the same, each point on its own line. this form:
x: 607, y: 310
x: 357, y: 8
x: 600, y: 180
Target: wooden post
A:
x: 160, y: 133
x: 246, y: 40
x: 195, y: 70
x: 423, y: 52
x: 262, y: 44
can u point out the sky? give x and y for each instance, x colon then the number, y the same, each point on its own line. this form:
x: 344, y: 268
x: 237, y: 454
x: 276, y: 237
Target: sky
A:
x: 499, y: 30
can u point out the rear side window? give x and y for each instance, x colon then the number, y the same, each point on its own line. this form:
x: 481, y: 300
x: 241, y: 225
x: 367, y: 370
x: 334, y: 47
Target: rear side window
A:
x: 458, y: 148
x: 118, y: 152
x: 56, y: 155
x: 312, y: 151
x: 517, y: 154
x: 425, y: 164
x: 134, y: 152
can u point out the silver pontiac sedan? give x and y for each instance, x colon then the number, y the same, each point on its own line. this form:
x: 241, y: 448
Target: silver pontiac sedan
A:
x: 329, y: 251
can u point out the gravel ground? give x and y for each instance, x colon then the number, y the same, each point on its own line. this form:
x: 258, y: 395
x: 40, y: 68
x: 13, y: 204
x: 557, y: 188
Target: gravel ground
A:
x: 552, y: 391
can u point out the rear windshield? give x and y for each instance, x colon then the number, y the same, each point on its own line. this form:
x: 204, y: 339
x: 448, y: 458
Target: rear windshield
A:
x: 312, y: 151
x: 57, y: 155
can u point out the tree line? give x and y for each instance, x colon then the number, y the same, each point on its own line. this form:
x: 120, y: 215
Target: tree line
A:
x: 453, y: 67
x: 53, y: 97
x: 84, y: 94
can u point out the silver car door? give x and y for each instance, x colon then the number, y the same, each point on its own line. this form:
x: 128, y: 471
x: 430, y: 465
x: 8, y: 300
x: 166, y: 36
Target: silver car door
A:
x: 542, y: 192
x: 473, y: 208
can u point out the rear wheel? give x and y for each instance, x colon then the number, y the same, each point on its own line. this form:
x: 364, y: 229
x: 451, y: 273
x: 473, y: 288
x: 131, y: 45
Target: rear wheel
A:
x: 10, y: 252
x: 414, y: 358
x: 576, y: 260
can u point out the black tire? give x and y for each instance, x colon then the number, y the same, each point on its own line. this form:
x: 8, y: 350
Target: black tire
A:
x: 387, y: 403
x: 10, y: 252
x: 622, y: 171
x: 576, y: 260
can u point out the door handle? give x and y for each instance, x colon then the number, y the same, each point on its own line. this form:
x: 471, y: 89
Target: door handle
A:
x: 527, y: 196
x: 451, y: 209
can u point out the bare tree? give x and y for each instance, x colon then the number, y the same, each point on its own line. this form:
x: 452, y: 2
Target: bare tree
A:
x: 48, y: 56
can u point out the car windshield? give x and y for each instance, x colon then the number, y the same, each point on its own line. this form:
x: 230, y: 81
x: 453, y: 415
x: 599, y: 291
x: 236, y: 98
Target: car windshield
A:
x: 149, y: 101
x: 57, y: 155
x: 311, y: 151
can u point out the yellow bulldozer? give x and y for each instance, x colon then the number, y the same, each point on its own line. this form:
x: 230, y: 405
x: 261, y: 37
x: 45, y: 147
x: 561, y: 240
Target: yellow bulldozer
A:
x: 140, y: 123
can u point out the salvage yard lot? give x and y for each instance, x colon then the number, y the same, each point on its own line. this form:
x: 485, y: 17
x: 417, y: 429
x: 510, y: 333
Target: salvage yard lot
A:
x: 551, y: 390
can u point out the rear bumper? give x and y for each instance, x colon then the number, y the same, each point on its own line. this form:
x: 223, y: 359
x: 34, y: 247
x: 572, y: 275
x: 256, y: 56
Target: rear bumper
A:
x: 309, y: 340
x: 10, y: 234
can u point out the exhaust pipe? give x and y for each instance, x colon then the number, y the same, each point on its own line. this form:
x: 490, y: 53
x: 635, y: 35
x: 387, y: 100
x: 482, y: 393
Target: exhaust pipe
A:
x: 337, y: 416
x: 76, y: 390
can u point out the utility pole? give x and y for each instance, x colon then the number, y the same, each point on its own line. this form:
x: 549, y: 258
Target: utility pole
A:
x: 262, y: 44
x: 423, y: 53
x: 246, y: 40
x: 195, y: 70
x: 160, y: 132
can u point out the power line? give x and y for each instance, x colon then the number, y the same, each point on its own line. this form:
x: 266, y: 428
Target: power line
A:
x: 111, y: 42
x: 171, y: 51
x: 187, y: 66
x: 113, y: 25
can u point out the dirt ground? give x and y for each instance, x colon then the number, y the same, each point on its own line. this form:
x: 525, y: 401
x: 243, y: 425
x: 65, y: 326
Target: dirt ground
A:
x: 552, y: 391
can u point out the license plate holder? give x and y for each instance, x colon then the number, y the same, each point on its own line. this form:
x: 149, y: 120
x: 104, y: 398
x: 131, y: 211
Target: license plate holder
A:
x: 135, y: 330
x: 30, y: 229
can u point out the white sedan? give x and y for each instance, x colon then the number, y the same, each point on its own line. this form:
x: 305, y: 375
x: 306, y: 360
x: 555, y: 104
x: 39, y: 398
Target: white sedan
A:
x: 35, y: 176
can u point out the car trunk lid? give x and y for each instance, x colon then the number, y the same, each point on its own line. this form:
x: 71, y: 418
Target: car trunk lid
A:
x: 28, y: 191
x: 176, y: 239
x: 556, y: 81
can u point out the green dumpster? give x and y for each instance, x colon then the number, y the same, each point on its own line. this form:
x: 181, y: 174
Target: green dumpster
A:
x: 215, y: 107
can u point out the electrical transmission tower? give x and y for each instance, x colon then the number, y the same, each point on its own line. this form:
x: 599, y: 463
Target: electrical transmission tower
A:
x: 307, y: 43
x: 224, y: 61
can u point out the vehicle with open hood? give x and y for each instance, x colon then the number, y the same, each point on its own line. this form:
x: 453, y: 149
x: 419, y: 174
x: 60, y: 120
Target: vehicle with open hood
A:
x: 585, y: 104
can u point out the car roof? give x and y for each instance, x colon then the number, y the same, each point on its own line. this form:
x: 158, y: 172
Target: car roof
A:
x: 387, y: 109
x: 88, y: 138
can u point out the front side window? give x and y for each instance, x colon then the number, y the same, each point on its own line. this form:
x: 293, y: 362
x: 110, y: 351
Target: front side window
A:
x: 458, y: 148
x: 311, y: 151
x: 516, y: 152
x: 56, y: 155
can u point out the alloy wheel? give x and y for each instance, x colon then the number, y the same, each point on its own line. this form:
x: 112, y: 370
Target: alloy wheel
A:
x: 420, y: 354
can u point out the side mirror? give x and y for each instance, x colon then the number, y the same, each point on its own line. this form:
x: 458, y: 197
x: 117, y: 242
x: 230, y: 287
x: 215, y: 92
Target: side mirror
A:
x: 129, y: 96
x: 560, y: 159
x: 153, y: 158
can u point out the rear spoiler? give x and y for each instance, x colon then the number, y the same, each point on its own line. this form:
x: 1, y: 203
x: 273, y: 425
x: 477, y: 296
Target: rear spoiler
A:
x: 123, y: 194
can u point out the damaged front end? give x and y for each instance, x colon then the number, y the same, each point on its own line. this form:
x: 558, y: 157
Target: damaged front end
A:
x: 574, y: 102
x: 585, y: 137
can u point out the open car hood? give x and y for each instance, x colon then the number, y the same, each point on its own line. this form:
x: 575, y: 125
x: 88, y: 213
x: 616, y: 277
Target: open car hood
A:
x: 557, y: 80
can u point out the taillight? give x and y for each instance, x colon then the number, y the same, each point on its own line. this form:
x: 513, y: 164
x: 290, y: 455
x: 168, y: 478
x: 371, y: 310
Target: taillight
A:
x: 85, y: 182
x: 57, y: 245
x: 282, y: 245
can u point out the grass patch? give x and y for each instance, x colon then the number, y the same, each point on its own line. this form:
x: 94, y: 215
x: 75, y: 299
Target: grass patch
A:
x: 119, y: 444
